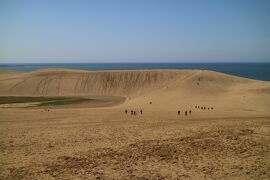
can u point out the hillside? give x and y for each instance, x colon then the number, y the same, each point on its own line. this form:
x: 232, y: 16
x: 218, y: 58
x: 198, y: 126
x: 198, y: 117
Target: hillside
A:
x: 61, y: 82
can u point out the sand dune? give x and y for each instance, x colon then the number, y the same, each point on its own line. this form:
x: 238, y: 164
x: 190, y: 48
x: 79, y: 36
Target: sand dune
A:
x: 165, y: 87
x: 61, y: 82
x: 229, y: 142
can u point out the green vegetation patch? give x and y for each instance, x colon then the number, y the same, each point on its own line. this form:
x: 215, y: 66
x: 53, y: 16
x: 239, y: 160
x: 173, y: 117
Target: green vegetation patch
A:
x: 44, y: 101
x: 63, y: 102
x: 55, y: 101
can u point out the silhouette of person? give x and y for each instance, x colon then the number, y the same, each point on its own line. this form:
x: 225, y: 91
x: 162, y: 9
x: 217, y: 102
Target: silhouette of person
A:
x: 126, y: 111
x: 190, y: 112
x: 135, y: 113
x: 141, y: 111
x: 212, y: 108
x: 131, y: 112
x: 186, y: 113
x: 179, y: 112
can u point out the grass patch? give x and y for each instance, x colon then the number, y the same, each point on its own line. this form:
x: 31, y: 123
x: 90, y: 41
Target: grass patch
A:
x: 63, y: 102
x: 56, y: 101
x: 44, y: 101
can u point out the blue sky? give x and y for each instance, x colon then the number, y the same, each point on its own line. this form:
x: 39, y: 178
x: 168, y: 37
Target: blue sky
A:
x: 134, y: 31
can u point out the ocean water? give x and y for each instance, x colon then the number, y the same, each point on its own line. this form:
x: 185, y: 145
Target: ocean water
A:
x: 259, y: 71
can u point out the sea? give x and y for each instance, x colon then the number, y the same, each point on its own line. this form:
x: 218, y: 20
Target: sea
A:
x: 259, y: 71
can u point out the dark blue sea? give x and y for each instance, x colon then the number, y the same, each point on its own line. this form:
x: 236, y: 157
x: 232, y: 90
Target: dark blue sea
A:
x: 259, y: 71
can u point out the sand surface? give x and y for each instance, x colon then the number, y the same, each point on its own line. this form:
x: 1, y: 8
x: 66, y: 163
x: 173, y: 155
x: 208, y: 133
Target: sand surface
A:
x: 230, y: 141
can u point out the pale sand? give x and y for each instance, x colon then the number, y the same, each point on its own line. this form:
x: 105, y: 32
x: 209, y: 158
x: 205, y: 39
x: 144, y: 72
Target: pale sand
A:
x: 230, y: 142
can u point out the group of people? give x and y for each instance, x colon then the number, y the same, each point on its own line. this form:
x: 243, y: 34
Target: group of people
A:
x: 203, y: 107
x: 45, y: 110
x: 186, y: 112
x: 133, y: 112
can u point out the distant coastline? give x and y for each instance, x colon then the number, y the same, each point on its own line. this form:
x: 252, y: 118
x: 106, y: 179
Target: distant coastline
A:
x: 258, y: 71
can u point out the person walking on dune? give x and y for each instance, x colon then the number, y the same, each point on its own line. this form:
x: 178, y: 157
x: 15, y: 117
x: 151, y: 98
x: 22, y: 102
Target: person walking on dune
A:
x: 131, y: 112
x: 190, y: 112
x: 126, y: 111
x: 179, y: 113
x: 141, y: 111
x: 185, y: 113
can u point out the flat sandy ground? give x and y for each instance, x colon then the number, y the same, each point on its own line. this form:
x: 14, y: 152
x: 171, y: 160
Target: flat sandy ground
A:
x: 106, y: 143
x: 232, y: 141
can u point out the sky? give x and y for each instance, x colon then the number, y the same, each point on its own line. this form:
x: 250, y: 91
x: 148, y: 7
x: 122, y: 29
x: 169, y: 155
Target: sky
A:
x: 36, y: 31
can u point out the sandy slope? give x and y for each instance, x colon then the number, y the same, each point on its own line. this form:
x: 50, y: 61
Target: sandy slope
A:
x: 63, y: 82
x: 169, y: 90
x: 230, y: 141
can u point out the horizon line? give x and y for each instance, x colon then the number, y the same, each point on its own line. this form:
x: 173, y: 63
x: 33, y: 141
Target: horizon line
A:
x: 150, y: 62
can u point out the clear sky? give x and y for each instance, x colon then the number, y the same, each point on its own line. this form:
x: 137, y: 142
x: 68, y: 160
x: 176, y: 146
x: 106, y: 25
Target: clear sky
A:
x: 134, y: 30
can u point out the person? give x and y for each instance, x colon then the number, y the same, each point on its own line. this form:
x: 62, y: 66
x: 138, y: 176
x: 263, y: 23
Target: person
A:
x: 204, y: 107
x: 141, y: 111
x: 126, y: 111
x: 178, y: 112
x: 150, y: 102
x: 186, y: 113
x: 131, y: 112
x: 196, y: 107
x: 135, y: 113
x: 212, y: 108
x: 201, y: 107
x: 190, y: 112
x: 208, y: 108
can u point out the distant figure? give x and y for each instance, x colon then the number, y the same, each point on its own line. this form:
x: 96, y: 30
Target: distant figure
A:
x: 208, y: 108
x: 196, y: 107
x: 150, y: 102
x: 201, y: 107
x: 186, y: 113
x: 212, y: 108
x: 135, y: 113
x: 190, y: 112
x: 131, y: 112
x: 179, y: 112
x: 204, y: 107
x: 199, y: 79
x: 141, y: 111
x: 126, y: 111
